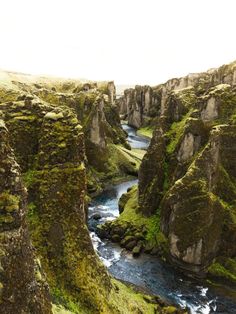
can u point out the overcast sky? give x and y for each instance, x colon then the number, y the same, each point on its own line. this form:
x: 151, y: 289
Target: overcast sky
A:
x: 129, y: 41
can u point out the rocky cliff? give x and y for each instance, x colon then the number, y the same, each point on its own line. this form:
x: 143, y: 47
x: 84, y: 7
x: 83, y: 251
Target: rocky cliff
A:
x: 53, y: 266
x: 94, y: 106
x: 188, y: 173
x: 143, y: 104
x: 23, y: 288
x: 184, y: 207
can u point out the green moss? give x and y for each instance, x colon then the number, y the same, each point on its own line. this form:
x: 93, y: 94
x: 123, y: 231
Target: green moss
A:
x: 122, y: 161
x: 9, y: 202
x: 146, y: 131
x: 176, y: 132
x: 186, y: 96
x: 138, y: 153
x: 169, y: 310
x: 56, y: 218
x: 54, y: 116
x: 59, y: 309
x: 125, y: 300
x: 225, y: 98
x: 226, y: 270
x: 151, y: 224
x: 29, y: 118
x: 8, y: 92
x: 226, y: 187
x: 103, y: 87
x: 6, y: 219
x: 166, y: 175
x: 64, y: 303
x: 29, y: 177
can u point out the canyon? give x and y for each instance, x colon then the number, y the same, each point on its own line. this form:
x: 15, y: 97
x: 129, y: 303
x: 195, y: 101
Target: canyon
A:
x: 187, y: 177
x: 63, y: 145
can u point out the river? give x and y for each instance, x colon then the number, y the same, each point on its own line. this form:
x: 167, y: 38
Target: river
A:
x: 149, y: 272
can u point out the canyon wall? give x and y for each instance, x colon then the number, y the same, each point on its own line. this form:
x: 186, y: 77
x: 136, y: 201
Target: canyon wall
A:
x: 48, y: 264
x: 184, y: 206
x: 188, y: 175
x: 49, y: 146
x: 23, y: 287
x: 94, y: 106
x: 141, y: 105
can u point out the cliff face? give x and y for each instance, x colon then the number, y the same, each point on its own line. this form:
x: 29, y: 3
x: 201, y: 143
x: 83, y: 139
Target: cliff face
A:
x: 94, y: 106
x: 45, y: 141
x: 144, y: 103
x: 23, y: 288
x: 187, y: 176
x: 49, y: 146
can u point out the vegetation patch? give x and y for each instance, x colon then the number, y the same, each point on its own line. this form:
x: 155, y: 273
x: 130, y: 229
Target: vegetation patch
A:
x: 224, y: 269
x: 146, y: 131
x: 175, y: 133
x: 133, y: 230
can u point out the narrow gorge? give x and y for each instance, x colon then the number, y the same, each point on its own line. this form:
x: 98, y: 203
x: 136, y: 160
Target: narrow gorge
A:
x: 118, y: 204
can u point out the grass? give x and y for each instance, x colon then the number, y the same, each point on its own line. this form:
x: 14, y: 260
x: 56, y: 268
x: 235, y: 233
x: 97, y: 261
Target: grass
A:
x: 62, y: 303
x: 146, y: 131
x: 59, y: 309
x: 123, y: 157
x: 131, y: 214
x: 126, y: 300
x: 122, y: 299
x: 134, y: 153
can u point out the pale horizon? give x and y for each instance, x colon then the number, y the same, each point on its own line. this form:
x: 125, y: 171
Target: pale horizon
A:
x: 142, y: 42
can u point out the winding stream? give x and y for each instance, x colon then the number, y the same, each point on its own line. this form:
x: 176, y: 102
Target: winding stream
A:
x: 147, y: 271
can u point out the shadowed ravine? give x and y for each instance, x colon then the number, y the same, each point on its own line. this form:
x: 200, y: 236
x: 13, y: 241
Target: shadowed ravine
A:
x: 150, y: 272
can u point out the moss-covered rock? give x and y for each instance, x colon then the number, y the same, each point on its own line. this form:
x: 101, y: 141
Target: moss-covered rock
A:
x: 187, y: 177
x: 152, y: 175
x: 93, y: 103
x: 23, y: 284
x: 223, y: 269
x: 135, y: 231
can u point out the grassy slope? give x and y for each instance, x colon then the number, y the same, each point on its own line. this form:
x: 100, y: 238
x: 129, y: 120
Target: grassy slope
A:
x: 146, y: 131
x: 123, y: 300
x: 152, y: 224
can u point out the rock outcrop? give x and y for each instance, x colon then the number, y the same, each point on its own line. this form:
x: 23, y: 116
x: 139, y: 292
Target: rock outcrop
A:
x: 54, y: 173
x: 195, y: 202
x: 23, y: 287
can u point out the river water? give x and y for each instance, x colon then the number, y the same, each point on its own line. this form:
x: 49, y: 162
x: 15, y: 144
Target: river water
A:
x: 149, y: 272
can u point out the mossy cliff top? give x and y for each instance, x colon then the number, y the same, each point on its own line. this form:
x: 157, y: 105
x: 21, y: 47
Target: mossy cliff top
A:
x: 28, y: 82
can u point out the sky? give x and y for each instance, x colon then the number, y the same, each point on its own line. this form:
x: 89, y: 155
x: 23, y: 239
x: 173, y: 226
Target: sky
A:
x: 128, y: 41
